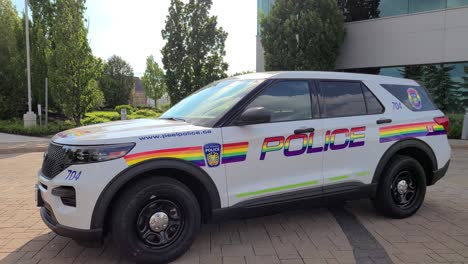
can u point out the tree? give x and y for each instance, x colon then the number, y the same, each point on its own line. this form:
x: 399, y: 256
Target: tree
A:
x: 12, y: 62
x: 443, y: 89
x: 302, y: 35
x: 464, y: 89
x: 153, y: 80
x: 414, y: 72
x: 43, y: 12
x: 193, y: 55
x: 72, y: 67
x: 242, y: 73
x: 117, y: 81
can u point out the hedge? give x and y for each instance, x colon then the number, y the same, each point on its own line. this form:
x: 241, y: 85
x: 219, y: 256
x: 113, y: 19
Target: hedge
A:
x: 456, y: 125
x: 17, y: 127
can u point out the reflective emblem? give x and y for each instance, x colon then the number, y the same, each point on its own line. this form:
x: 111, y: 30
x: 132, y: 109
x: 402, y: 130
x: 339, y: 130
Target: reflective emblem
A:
x: 212, y: 154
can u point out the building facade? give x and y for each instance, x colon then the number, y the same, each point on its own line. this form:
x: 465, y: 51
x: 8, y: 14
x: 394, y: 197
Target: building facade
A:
x: 396, y: 37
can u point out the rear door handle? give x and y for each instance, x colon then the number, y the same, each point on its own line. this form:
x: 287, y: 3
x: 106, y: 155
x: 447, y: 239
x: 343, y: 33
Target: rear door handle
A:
x: 384, y: 121
x: 304, y: 130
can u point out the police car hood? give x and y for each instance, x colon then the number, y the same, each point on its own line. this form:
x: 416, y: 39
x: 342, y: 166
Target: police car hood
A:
x: 125, y: 131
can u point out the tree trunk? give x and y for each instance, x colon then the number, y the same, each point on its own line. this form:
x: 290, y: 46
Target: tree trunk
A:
x: 77, y: 120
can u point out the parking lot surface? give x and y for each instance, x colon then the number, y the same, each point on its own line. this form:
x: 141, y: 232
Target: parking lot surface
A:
x: 438, y: 233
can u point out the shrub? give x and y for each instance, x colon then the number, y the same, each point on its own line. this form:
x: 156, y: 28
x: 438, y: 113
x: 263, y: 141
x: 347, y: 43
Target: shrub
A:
x: 164, y: 107
x: 17, y: 127
x: 144, y: 107
x: 456, y: 125
x: 146, y: 113
x: 91, y: 120
x: 128, y: 107
x: 111, y: 115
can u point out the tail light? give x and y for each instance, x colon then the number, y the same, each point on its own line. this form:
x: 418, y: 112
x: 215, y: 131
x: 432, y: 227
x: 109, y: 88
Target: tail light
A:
x: 443, y: 121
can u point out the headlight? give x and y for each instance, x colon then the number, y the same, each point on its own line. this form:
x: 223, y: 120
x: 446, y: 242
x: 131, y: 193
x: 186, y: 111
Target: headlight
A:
x: 87, y: 154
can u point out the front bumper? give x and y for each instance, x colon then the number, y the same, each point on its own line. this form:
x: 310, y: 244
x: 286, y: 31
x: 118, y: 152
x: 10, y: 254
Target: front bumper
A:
x: 74, y: 233
x: 438, y: 174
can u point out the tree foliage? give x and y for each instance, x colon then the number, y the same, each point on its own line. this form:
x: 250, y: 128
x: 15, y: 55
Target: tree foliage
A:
x: 443, y: 89
x: 302, y: 35
x: 194, y: 49
x: 117, y: 81
x: 43, y: 12
x: 414, y: 72
x: 153, y: 80
x: 12, y: 62
x: 464, y: 88
x: 72, y: 67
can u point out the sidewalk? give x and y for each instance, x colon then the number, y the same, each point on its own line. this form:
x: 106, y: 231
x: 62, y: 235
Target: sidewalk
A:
x: 458, y: 143
x: 10, y: 144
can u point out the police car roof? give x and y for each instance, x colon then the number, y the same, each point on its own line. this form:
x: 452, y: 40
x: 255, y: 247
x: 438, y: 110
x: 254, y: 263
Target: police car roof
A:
x: 380, y: 79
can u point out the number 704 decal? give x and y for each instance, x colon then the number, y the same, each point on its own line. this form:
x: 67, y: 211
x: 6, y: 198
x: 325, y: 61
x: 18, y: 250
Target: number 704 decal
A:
x: 73, y: 175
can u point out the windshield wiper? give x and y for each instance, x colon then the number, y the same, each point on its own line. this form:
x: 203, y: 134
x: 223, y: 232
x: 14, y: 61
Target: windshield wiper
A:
x: 173, y: 119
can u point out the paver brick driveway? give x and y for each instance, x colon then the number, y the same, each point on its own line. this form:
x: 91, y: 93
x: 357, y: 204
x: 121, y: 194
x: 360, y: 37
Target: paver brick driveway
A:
x: 438, y: 233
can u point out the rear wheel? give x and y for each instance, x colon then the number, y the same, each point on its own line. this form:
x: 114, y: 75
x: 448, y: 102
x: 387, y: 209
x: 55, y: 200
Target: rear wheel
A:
x: 402, y: 188
x: 155, y: 220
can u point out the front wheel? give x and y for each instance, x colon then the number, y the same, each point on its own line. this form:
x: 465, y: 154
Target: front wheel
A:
x: 402, y: 188
x: 155, y: 220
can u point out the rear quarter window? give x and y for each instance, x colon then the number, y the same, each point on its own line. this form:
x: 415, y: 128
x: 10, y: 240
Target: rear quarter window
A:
x: 416, y: 98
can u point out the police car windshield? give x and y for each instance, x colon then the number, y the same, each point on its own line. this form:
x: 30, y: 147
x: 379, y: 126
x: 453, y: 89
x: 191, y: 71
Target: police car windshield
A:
x: 206, y: 106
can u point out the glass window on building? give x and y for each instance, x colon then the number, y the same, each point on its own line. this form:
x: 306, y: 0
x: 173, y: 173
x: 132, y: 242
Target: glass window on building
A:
x: 459, y: 75
x: 263, y: 7
x: 392, y: 72
x: 393, y: 7
x: 456, y: 3
x: 426, y: 5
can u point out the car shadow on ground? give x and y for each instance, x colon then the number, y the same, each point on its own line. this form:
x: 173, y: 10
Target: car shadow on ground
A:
x: 290, y: 234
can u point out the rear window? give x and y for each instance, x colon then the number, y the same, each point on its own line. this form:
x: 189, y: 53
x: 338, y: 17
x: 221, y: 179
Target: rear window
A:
x: 345, y: 98
x: 415, y: 98
x: 342, y: 99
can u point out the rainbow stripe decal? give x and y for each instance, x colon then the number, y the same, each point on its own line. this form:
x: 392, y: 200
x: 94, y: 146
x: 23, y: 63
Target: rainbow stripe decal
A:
x: 193, y: 154
x: 398, y: 132
x: 234, y: 152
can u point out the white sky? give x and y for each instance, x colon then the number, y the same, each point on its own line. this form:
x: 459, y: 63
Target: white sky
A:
x: 132, y: 30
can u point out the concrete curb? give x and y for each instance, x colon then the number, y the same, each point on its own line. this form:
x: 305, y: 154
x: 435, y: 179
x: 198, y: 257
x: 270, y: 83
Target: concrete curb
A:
x: 27, y: 147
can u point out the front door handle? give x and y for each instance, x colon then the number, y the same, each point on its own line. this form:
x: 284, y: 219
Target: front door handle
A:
x: 304, y: 130
x: 384, y: 121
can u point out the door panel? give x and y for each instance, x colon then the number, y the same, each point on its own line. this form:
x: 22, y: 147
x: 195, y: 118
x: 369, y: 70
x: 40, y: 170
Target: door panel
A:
x: 351, y: 150
x: 277, y: 160
x: 281, y: 155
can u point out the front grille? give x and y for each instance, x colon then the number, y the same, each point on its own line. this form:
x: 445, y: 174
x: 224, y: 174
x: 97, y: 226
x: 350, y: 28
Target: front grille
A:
x: 54, y: 161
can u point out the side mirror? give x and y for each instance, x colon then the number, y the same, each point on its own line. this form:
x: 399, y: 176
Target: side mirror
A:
x: 254, y: 115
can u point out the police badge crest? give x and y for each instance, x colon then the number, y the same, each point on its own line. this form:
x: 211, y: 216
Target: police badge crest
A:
x: 212, y: 154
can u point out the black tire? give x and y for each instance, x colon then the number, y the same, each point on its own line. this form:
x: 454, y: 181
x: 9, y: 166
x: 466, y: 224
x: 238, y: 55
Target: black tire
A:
x: 397, y: 202
x: 133, y: 210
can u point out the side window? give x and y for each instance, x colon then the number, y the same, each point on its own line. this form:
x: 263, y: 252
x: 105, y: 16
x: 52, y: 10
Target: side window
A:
x: 416, y: 98
x: 342, y: 99
x: 287, y: 101
x: 373, y: 104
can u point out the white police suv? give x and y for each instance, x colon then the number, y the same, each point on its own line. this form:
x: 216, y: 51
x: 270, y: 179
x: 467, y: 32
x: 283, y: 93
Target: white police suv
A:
x: 241, y: 145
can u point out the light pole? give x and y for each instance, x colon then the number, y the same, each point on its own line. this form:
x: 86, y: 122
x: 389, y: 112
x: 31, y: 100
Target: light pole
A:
x: 30, y: 117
